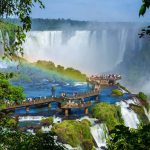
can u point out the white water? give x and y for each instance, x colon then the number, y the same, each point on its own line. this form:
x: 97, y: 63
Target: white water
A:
x: 123, y: 91
x: 38, y: 118
x: 122, y: 45
x: 1, y: 44
x: 92, y: 120
x: 146, y: 113
x: 130, y: 117
x: 98, y: 134
x: 86, y: 51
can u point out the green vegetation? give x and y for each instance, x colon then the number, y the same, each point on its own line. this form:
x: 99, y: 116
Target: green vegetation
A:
x: 68, y: 72
x: 9, y: 92
x: 143, y: 99
x: 123, y: 138
x: 48, y: 120
x: 53, y: 88
x: 142, y: 96
x: 5, y: 121
x: 74, y: 133
x: 8, y: 28
x: 40, y: 131
x: 110, y: 114
x: 117, y: 92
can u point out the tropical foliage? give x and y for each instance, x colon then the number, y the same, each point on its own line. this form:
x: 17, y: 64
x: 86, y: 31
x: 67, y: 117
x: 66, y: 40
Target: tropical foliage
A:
x: 117, y: 92
x: 107, y: 113
x: 123, y: 138
x: 73, y: 132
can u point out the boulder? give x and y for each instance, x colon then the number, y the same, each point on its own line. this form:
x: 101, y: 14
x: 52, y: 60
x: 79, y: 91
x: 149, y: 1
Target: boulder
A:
x: 23, y: 129
x: 29, y: 126
x: 36, y: 126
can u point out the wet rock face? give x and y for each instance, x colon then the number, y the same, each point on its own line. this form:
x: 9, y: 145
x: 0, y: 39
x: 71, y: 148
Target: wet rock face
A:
x: 29, y: 126
x: 23, y: 129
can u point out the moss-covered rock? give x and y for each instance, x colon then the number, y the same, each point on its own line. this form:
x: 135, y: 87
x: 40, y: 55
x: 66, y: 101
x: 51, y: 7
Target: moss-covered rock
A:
x: 143, y: 99
x: 48, y: 121
x: 87, y: 144
x: 117, y: 92
x: 109, y: 114
x: 139, y: 110
x: 73, y: 132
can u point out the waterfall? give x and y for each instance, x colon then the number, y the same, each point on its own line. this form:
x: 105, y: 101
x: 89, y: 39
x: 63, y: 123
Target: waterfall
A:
x: 7, y: 39
x: 122, y: 45
x: 122, y: 90
x: 99, y: 133
x: 146, y: 113
x: 104, y: 41
x: 88, y: 51
x: 92, y: 120
x: 130, y: 117
x: 1, y: 44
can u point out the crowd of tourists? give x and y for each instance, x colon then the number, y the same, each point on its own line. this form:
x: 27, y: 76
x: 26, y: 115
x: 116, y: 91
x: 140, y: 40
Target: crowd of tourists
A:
x: 115, y: 76
x: 73, y: 103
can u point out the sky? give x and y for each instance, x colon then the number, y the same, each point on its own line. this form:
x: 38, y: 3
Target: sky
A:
x: 92, y: 10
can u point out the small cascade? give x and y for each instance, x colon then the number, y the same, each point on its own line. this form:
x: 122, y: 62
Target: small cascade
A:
x: 57, y: 119
x: 46, y: 128
x: 38, y: 118
x: 146, y: 113
x: 69, y: 147
x: 99, y: 133
x: 122, y: 90
x: 92, y: 120
x: 80, y: 83
x: 1, y: 44
x: 130, y: 117
x: 31, y: 118
x: 7, y: 39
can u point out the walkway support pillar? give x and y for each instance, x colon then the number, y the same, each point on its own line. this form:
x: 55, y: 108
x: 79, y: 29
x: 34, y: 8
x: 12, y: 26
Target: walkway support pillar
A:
x: 27, y: 109
x: 66, y: 112
x: 86, y: 110
x: 49, y: 104
x: 87, y: 84
x: 97, y: 97
x: 59, y: 105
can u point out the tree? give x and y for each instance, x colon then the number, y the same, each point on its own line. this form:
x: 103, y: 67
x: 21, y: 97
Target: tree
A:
x: 142, y: 11
x: 123, y: 138
x: 22, y: 10
x: 17, y: 140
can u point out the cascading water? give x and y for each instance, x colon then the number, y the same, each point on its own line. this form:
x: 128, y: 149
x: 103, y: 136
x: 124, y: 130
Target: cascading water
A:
x: 88, y: 51
x: 92, y: 120
x: 122, y: 45
x: 7, y: 39
x: 146, y: 113
x: 130, y: 117
x: 99, y: 133
x: 38, y: 118
x: 1, y: 44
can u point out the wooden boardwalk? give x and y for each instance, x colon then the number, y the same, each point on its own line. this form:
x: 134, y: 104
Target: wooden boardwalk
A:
x: 62, y: 101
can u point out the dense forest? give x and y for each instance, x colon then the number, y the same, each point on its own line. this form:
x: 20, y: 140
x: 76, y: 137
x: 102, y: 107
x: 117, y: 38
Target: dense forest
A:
x: 40, y: 24
x: 45, y: 70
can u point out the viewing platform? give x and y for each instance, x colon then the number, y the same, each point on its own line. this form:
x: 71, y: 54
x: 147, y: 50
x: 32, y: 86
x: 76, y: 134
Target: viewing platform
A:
x: 102, y: 81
